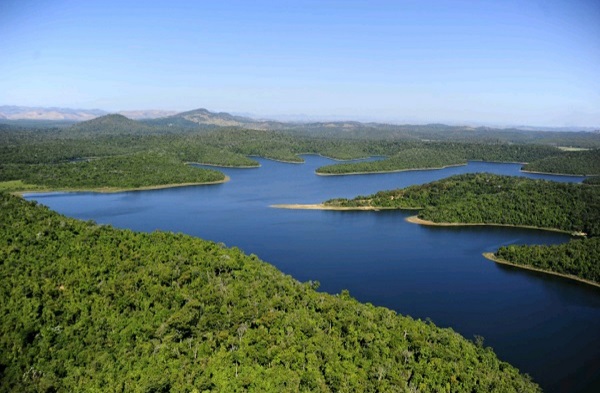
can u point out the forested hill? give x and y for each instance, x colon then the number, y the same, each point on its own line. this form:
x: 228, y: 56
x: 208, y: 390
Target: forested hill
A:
x: 91, y: 308
x: 585, y: 162
x: 111, y: 125
x: 494, y: 199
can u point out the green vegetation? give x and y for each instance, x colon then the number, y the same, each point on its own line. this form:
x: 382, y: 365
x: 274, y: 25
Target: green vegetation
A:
x: 595, y: 180
x: 90, y: 308
x: 18, y: 185
x: 437, y: 155
x: 74, y: 157
x: 39, y: 156
x: 586, y: 162
x: 201, y: 119
x: 577, y: 258
x: 492, y: 199
x: 416, y: 158
x: 120, y: 172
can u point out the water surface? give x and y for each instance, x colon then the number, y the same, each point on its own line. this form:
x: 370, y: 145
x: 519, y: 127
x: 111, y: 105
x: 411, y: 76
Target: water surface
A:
x: 546, y: 326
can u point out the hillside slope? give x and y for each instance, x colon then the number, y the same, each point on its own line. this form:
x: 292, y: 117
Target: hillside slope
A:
x: 91, y: 308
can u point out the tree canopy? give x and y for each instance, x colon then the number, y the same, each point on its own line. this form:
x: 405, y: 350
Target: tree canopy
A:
x: 87, y: 307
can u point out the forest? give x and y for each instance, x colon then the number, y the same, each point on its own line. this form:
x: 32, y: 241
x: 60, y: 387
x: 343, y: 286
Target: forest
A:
x: 493, y: 199
x: 577, y: 258
x: 586, y: 162
x: 429, y: 155
x: 132, y: 171
x: 87, y: 307
x: 74, y: 157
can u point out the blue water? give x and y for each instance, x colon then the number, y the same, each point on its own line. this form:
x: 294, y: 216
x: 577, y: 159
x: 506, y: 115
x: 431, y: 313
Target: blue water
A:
x: 548, y: 327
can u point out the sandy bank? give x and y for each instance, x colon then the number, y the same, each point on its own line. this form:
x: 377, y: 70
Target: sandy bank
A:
x: 109, y: 190
x: 492, y: 257
x: 323, y: 207
x: 556, y: 174
x: 417, y: 220
x: 224, y: 166
x: 390, y: 171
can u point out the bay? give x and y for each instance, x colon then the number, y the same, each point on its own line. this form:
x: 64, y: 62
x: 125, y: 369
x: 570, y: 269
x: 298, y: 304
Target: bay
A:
x: 549, y: 327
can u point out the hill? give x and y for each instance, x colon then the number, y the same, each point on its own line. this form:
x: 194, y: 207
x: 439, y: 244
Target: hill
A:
x: 88, y: 307
x: 113, y: 124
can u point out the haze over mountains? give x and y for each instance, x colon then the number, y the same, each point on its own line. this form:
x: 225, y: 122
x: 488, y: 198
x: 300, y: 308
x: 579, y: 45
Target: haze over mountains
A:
x: 13, y: 112
x: 204, y: 117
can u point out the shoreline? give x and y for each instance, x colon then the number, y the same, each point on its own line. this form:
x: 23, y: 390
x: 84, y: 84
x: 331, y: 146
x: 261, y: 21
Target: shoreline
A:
x: 341, y: 160
x: 420, y: 221
x: 320, y: 206
x: 492, y: 257
x: 556, y: 174
x: 278, y: 160
x: 113, y: 190
x: 223, y: 166
x: 390, y: 171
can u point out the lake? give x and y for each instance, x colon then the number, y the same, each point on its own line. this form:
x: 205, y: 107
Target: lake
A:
x: 547, y: 326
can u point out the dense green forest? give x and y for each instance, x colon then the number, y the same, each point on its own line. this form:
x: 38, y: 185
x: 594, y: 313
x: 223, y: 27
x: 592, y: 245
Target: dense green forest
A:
x: 120, y: 172
x: 415, y: 158
x: 437, y: 155
x: 594, y: 180
x: 72, y: 157
x: 578, y: 258
x: 585, y: 162
x: 493, y: 199
x: 86, y: 307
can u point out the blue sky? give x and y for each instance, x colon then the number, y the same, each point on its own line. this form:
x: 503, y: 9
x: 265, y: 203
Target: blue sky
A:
x: 504, y: 62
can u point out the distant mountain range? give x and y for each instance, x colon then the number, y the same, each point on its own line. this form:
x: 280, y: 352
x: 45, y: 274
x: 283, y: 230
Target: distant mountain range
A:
x: 12, y: 112
x: 205, y: 118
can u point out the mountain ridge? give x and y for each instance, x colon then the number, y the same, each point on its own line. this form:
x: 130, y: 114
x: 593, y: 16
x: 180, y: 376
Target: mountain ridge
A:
x: 204, y: 118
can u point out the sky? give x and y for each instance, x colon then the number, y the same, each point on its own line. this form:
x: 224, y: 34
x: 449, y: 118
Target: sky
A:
x: 523, y: 62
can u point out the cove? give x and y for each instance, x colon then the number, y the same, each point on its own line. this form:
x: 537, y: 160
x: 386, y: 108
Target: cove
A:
x: 546, y: 326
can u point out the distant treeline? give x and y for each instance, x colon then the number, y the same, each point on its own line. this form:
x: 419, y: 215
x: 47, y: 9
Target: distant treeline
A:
x: 572, y: 162
x: 87, y: 307
x: 24, y: 151
x: 437, y: 155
